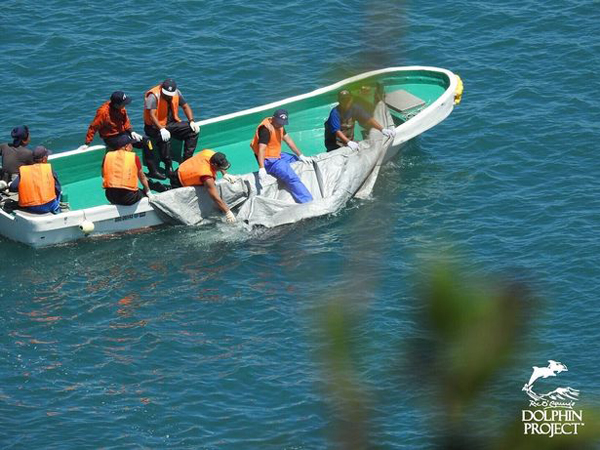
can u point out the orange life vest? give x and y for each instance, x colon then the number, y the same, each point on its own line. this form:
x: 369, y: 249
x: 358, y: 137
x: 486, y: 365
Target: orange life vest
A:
x: 273, y: 149
x: 36, y: 185
x: 120, y: 171
x: 162, y: 107
x: 192, y: 170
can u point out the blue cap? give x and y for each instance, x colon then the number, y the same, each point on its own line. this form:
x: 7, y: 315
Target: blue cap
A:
x: 119, y: 98
x: 169, y: 87
x: 280, y: 117
x: 19, y: 134
x: 121, y: 141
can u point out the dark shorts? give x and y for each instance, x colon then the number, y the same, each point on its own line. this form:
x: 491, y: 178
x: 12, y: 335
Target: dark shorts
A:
x: 123, y: 196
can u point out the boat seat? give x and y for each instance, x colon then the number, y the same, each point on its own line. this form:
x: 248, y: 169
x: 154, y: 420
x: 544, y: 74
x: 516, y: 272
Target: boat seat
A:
x: 404, y: 103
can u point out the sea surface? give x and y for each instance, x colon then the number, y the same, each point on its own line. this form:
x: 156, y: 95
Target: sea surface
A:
x: 213, y: 338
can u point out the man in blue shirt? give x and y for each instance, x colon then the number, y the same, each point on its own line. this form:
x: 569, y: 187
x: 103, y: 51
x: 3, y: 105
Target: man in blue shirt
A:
x: 339, y: 127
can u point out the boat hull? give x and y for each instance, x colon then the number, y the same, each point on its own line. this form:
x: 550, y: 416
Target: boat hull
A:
x: 220, y: 133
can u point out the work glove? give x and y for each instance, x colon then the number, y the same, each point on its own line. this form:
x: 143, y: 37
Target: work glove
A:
x: 352, y: 145
x: 83, y: 147
x: 229, y: 217
x: 262, y: 174
x: 136, y: 136
x: 150, y: 196
x: 230, y: 178
x: 389, y: 132
x: 304, y: 158
x: 165, y: 134
x: 195, y: 127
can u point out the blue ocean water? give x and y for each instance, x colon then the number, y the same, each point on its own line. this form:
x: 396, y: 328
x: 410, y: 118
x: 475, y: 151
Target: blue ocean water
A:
x: 207, y: 338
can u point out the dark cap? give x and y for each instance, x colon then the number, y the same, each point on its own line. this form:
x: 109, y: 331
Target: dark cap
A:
x: 344, y: 95
x: 280, y: 117
x: 40, y: 152
x: 219, y: 160
x: 19, y: 134
x: 119, y: 98
x: 169, y: 87
x: 121, y: 141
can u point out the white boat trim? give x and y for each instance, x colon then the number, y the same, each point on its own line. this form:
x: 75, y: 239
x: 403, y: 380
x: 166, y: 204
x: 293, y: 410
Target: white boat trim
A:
x: 44, y: 230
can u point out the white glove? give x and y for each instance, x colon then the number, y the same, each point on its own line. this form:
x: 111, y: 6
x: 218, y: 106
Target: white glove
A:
x: 389, y: 132
x: 3, y: 185
x: 150, y: 196
x: 195, y: 127
x: 262, y: 174
x: 136, y: 136
x: 229, y: 217
x: 83, y: 147
x: 304, y: 158
x: 230, y: 178
x: 165, y: 134
x: 352, y: 145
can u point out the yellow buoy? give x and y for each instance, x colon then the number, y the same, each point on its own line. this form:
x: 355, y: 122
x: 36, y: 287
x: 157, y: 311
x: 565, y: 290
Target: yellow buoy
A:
x: 459, y: 90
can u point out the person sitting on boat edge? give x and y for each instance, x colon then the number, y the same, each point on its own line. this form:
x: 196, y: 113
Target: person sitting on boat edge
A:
x: 37, y: 184
x: 201, y: 170
x: 121, y: 171
x: 112, y: 122
x: 161, y: 121
x: 339, y: 127
x: 266, y: 145
x: 16, y: 154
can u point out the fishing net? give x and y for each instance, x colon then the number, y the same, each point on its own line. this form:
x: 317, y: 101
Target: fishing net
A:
x: 332, y: 178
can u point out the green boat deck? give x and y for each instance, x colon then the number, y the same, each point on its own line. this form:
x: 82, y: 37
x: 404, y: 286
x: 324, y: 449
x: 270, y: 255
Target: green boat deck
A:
x: 80, y: 174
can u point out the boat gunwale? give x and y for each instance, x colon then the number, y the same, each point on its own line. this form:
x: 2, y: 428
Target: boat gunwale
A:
x: 452, y: 87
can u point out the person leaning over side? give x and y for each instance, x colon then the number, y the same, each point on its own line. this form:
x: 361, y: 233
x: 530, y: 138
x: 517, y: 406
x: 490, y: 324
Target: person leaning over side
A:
x: 37, y: 184
x: 201, y: 170
x: 161, y: 119
x: 16, y: 154
x: 266, y: 145
x: 121, y: 171
x: 112, y: 122
x: 339, y: 127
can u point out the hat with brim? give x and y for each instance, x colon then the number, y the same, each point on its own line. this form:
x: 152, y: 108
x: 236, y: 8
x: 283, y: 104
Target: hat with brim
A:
x: 219, y: 160
x: 120, y: 142
x: 344, y: 95
x: 119, y: 98
x: 169, y: 87
x: 280, y: 117
x: 40, y: 152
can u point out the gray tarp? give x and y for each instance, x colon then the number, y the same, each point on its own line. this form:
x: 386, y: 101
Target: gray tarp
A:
x: 332, y: 178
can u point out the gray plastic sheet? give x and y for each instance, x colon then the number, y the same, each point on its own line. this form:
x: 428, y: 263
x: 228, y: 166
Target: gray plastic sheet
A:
x: 332, y: 178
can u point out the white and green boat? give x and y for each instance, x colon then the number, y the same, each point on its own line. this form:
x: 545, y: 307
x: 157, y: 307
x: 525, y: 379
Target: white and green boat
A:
x: 418, y: 98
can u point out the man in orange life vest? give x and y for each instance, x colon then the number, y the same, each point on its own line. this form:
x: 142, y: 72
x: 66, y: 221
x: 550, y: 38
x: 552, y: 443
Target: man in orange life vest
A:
x: 161, y: 119
x: 266, y: 145
x: 112, y: 122
x: 201, y: 170
x: 121, y: 171
x: 37, y: 184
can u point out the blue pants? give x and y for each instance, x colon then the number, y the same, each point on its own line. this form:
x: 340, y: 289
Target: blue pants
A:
x: 280, y: 169
x: 53, y: 206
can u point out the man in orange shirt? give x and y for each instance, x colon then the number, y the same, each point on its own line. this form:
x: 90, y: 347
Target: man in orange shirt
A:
x: 112, y: 122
